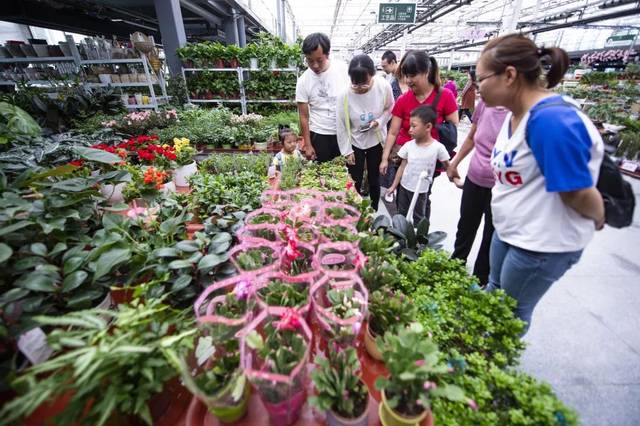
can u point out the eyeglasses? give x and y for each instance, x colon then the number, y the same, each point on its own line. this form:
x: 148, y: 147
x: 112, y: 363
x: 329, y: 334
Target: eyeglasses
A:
x: 363, y: 86
x: 481, y: 79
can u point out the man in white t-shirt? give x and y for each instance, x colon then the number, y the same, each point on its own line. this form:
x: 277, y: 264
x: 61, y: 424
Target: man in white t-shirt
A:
x: 316, y: 93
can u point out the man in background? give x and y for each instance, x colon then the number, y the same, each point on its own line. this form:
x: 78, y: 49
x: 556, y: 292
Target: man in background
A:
x: 389, y: 64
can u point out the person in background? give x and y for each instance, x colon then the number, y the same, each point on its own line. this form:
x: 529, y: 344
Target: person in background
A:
x: 389, y: 64
x: 546, y: 161
x: 316, y: 93
x: 468, y: 96
x: 451, y: 85
x: 362, y: 114
x: 421, y: 74
x: 289, y: 141
x: 420, y: 154
x: 476, y: 192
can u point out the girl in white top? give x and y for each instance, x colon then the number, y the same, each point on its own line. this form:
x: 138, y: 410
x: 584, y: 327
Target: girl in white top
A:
x: 546, y: 160
x: 362, y: 113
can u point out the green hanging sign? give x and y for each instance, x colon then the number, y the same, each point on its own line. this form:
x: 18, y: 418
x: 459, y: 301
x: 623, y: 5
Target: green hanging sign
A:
x: 397, y: 13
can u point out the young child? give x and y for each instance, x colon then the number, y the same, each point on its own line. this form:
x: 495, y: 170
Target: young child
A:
x: 289, y: 150
x: 418, y: 155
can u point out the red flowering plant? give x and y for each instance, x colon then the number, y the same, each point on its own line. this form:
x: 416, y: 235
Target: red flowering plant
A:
x: 145, y: 150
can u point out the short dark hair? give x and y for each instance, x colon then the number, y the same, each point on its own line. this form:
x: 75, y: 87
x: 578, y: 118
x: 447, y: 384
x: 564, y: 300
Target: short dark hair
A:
x: 472, y: 74
x: 312, y: 41
x: 361, y: 68
x: 425, y: 113
x: 389, y: 56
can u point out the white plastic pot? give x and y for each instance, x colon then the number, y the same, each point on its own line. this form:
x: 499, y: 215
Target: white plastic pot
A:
x: 181, y: 175
x: 261, y: 146
x: 113, y: 193
x: 168, y: 188
x: 104, y: 78
x: 253, y: 63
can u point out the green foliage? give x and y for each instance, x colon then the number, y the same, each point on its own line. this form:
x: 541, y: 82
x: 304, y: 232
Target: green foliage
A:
x: 476, y: 322
x: 280, y: 293
x: 338, y: 384
x: 221, y: 163
x: 291, y: 169
x: 387, y: 309
x: 329, y: 176
x: 598, y: 78
x: 177, y: 89
x: 503, y: 396
x: 14, y: 121
x: 114, y: 358
x: 241, y: 191
x: 629, y: 144
x: 281, y: 350
x: 417, y: 373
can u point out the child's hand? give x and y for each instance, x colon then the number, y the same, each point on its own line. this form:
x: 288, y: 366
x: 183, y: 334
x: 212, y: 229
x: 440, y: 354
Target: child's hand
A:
x: 458, y: 182
x: 389, y: 194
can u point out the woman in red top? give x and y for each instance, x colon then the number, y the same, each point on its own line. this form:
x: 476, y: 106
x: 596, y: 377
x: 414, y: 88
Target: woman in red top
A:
x: 421, y: 75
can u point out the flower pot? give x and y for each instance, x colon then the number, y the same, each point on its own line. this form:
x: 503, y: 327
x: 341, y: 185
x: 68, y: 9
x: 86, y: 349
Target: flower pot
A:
x: 228, y: 412
x: 390, y: 417
x: 115, y: 78
x: 104, y: 78
x: 192, y: 228
x: 168, y: 188
x: 253, y: 63
x: 334, y: 419
x: 287, y: 412
x: 371, y: 346
x: 181, y: 174
x: 261, y: 146
x: 113, y: 193
x: 226, y: 146
x: 138, y: 97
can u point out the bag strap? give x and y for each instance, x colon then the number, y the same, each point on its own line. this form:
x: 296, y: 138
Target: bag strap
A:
x: 347, y: 117
x: 434, y: 104
x: 561, y: 102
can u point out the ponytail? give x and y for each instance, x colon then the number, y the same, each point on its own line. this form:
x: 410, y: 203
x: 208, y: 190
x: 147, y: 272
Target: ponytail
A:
x: 434, y: 73
x: 520, y: 52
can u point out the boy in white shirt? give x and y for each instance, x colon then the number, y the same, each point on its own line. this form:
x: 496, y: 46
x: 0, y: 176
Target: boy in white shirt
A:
x: 418, y: 155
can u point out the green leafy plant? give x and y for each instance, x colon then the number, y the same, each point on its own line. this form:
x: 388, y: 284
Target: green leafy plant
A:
x: 389, y: 308
x: 255, y: 258
x: 281, y: 349
x: 16, y: 122
x: 114, y: 359
x: 338, y: 386
x: 416, y: 372
x: 280, y: 293
x: 411, y: 241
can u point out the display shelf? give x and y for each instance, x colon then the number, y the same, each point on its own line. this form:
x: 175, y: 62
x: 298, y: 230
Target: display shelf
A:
x: 36, y: 59
x: 203, y: 101
x: 273, y: 69
x: 121, y: 84
x: 35, y: 82
x: 271, y: 101
x: 111, y: 61
x: 211, y: 69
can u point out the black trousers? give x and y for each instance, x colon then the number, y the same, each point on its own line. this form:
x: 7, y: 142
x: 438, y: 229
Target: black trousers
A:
x: 403, y: 201
x: 372, y: 157
x: 326, y: 146
x: 476, y: 201
x: 463, y: 112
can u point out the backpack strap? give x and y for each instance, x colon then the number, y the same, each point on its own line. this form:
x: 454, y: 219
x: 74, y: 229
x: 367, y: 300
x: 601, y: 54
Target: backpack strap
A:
x: 561, y: 102
x: 347, y: 117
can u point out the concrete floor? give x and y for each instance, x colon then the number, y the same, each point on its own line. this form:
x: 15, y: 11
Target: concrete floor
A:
x: 585, y: 335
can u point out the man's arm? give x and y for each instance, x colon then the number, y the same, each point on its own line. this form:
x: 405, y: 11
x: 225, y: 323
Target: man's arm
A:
x: 303, y: 113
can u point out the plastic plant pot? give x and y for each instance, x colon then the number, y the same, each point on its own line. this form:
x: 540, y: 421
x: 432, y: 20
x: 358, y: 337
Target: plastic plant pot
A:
x: 301, y: 283
x: 339, y: 259
x: 283, y: 394
x: 307, y: 211
x: 390, y: 417
x: 264, y: 215
x: 340, y: 214
x: 302, y: 266
x: 344, y: 233
x: 213, y: 307
x: 260, y: 233
x: 255, y: 257
x: 305, y: 233
x: 335, y: 320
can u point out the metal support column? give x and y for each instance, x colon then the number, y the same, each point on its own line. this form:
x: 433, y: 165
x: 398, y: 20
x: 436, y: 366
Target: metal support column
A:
x: 172, y: 31
x: 242, y: 32
x: 511, y: 22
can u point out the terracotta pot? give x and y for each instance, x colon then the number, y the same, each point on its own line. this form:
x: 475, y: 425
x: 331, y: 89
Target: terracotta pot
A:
x: 44, y: 414
x: 192, y: 228
x: 122, y: 295
x: 334, y: 419
x: 370, y: 345
x: 169, y: 407
x: 390, y: 417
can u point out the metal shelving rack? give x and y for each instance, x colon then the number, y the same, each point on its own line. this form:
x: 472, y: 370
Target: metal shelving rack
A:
x: 241, y: 79
x: 76, y: 59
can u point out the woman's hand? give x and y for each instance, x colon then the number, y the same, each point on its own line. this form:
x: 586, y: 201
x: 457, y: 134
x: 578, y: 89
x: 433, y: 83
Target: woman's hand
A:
x: 384, y: 164
x: 373, y: 124
x: 351, y: 159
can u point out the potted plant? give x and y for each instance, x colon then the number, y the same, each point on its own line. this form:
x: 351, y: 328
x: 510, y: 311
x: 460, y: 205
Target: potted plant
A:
x: 416, y: 373
x: 218, y: 381
x: 386, y: 309
x: 296, y: 259
x: 340, y: 390
x: 145, y: 185
x: 277, y: 289
x: 275, y: 348
x: 184, y: 159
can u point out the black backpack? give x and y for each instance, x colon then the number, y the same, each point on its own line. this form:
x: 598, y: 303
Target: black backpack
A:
x: 447, y: 132
x: 619, y: 200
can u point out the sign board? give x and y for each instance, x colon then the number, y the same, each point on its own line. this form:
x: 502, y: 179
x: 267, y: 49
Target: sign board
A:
x: 620, y: 40
x: 397, y: 13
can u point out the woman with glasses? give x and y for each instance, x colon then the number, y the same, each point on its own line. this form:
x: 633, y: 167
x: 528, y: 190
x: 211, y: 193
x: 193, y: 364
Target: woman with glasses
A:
x: 362, y: 113
x: 546, y: 160
x: 421, y: 75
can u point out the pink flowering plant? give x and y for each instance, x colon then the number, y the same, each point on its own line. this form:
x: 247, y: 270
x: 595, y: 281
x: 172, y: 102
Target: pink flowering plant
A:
x: 139, y: 123
x: 388, y: 308
x: 417, y: 373
x: 338, y: 385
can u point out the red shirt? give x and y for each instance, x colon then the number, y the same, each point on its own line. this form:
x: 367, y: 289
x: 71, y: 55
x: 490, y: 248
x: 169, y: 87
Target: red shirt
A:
x: 408, y: 102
